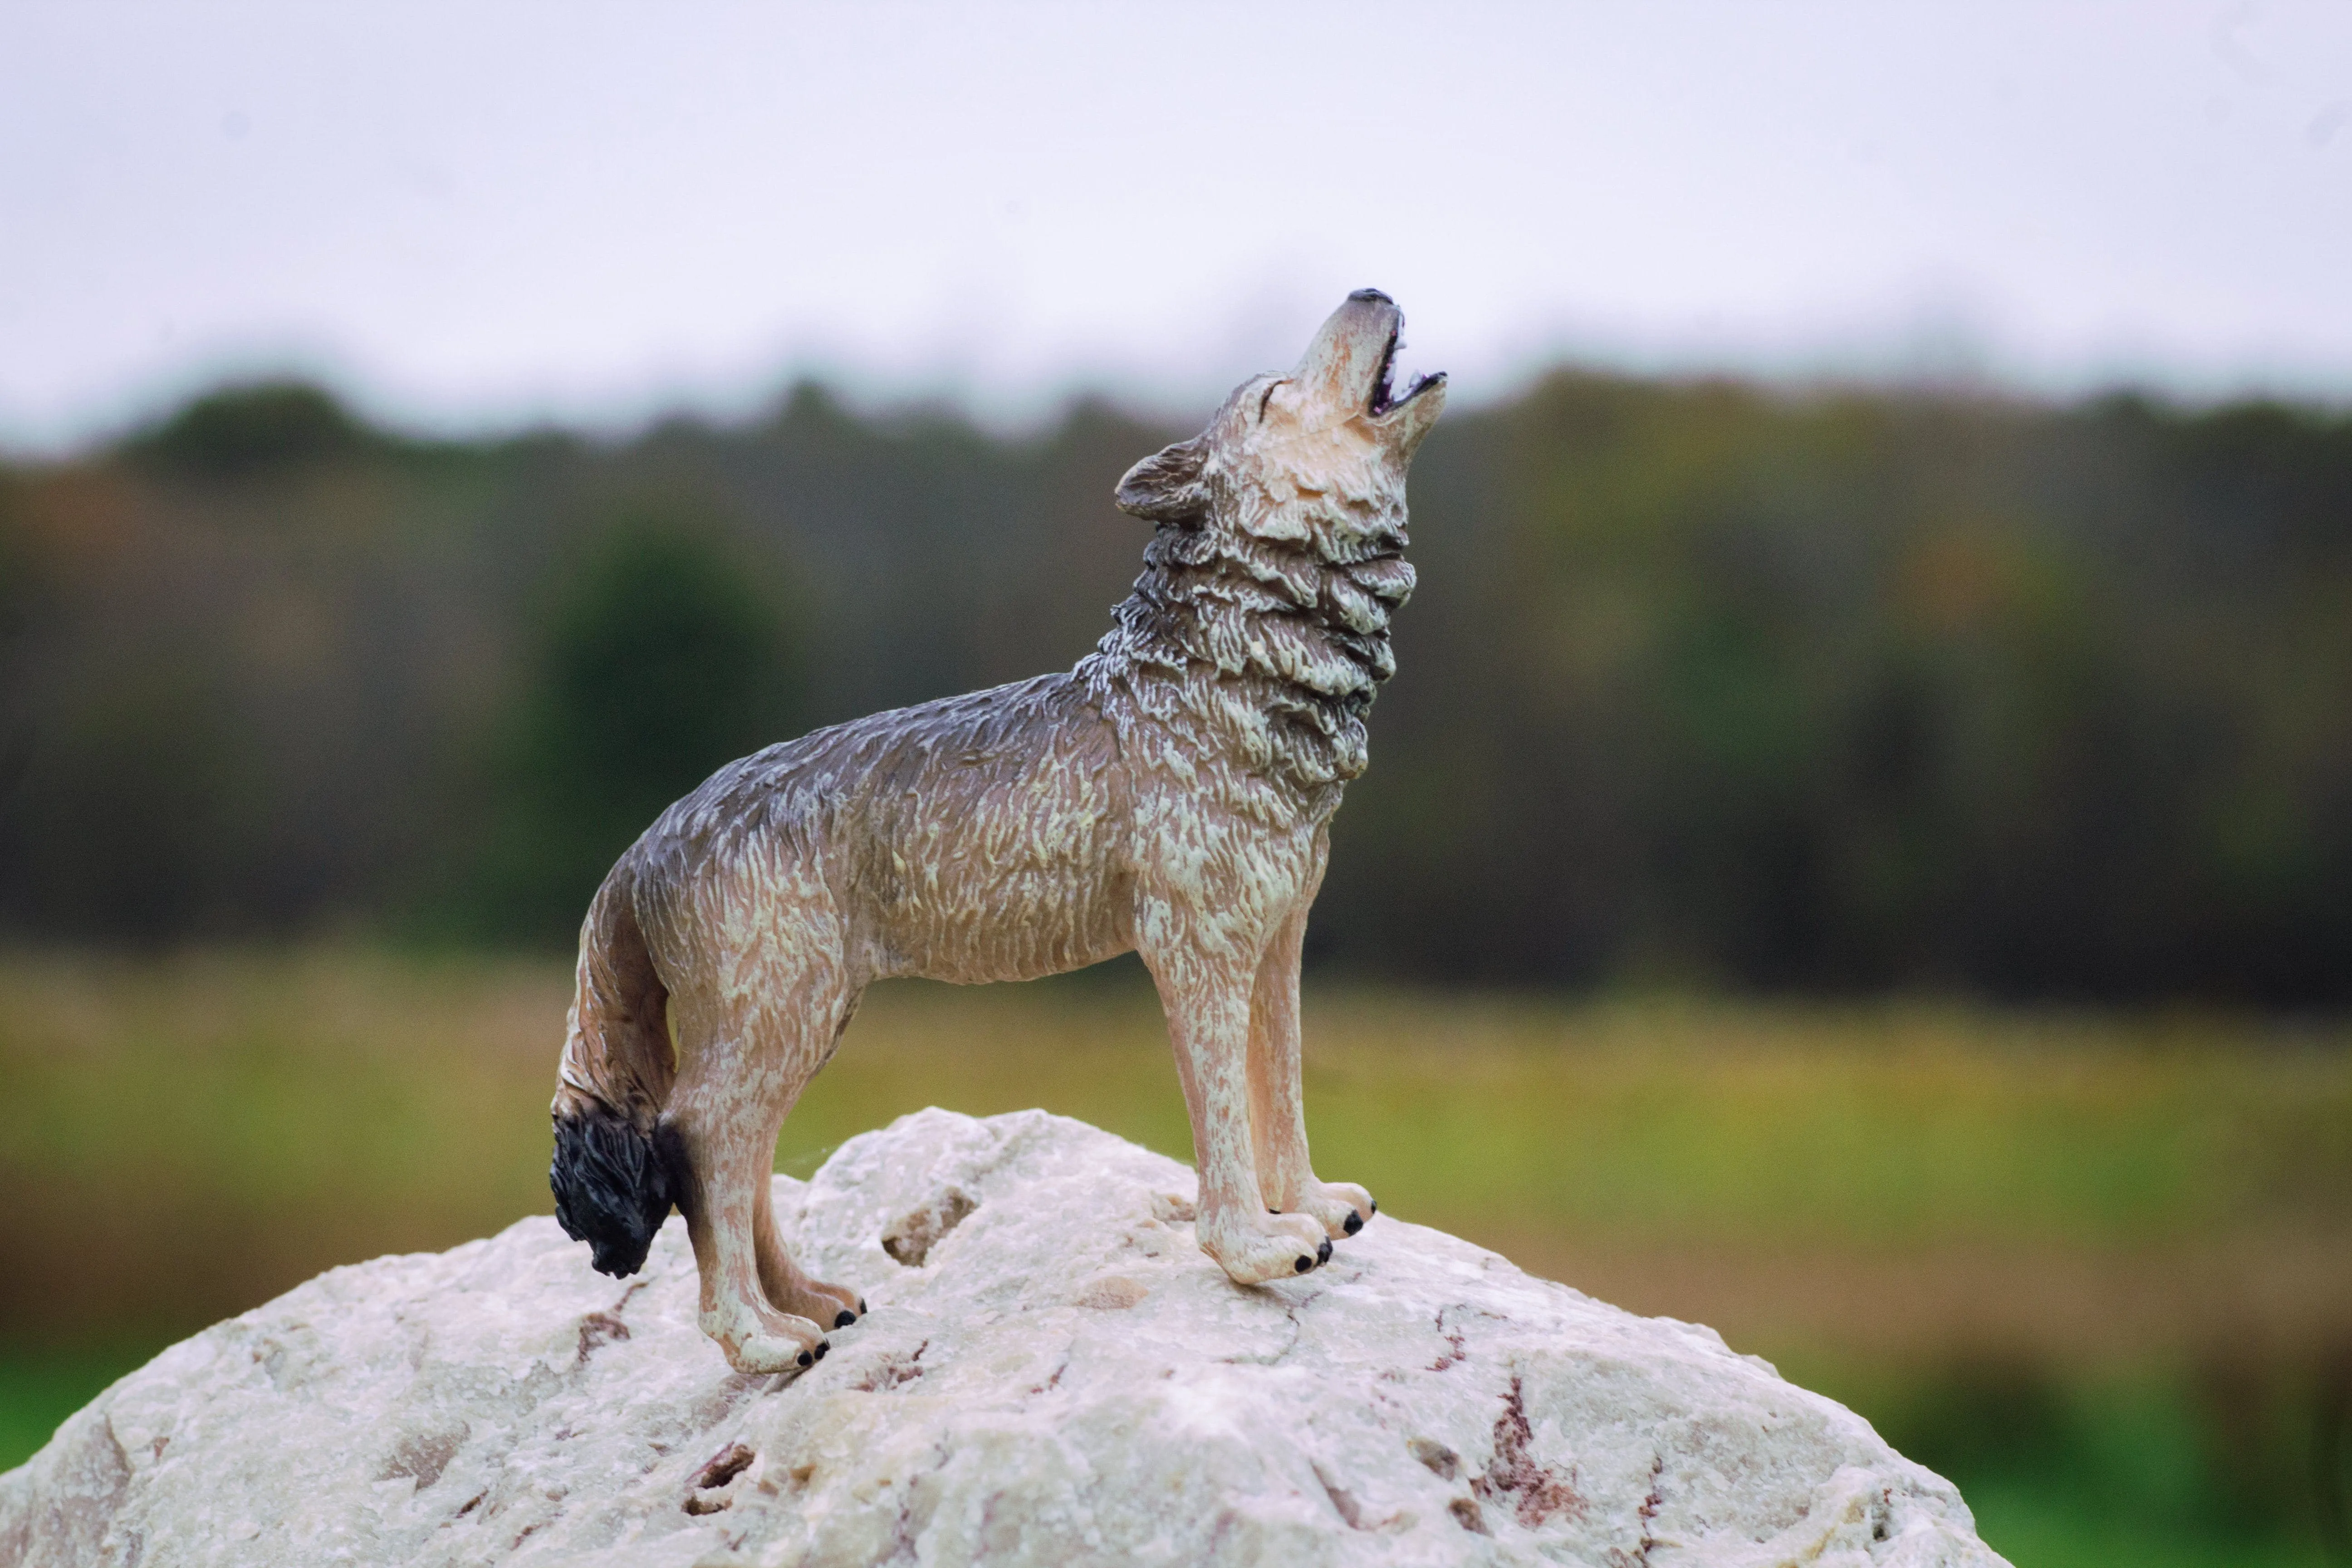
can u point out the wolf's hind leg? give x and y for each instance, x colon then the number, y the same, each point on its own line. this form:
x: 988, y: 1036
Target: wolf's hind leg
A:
x: 780, y: 1279
x: 743, y: 1059
x: 1206, y: 996
x: 1278, y: 1114
x: 790, y: 1290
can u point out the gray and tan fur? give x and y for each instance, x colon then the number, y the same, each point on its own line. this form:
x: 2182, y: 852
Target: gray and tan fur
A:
x: 1170, y: 795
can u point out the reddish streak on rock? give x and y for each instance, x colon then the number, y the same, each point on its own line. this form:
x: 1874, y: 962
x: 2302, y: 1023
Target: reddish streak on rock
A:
x: 1535, y: 1492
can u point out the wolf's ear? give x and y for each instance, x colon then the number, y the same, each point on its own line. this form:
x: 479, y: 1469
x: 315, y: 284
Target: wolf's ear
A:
x: 1167, y: 486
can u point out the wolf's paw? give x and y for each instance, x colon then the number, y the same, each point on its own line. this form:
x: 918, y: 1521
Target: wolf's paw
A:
x: 1254, y: 1248
x: 767, y: 1342
x: 764, y: 1353
x: 834, y: 1306
x: 1341, y: 1208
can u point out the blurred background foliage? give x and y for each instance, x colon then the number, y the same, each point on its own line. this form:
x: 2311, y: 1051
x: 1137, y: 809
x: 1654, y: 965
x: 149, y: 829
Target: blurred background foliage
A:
x: 1868, y: 870
x: 1705, y: 685
x: 667, y: 650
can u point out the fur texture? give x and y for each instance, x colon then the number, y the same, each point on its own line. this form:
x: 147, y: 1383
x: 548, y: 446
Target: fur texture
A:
x: 1170, y: 795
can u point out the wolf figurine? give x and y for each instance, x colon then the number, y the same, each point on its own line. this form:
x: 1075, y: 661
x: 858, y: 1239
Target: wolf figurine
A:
x: 1171, y: 795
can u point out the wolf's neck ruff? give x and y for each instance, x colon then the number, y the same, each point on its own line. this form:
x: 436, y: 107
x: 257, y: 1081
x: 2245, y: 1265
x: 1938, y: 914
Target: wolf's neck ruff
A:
x: 1273, y: 650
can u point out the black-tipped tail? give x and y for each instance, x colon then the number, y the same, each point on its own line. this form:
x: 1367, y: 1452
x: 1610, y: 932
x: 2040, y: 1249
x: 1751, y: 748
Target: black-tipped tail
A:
x: 614, y: 1186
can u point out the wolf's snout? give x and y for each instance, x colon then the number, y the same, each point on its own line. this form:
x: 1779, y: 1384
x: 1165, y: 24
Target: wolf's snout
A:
x: 1350, y: 364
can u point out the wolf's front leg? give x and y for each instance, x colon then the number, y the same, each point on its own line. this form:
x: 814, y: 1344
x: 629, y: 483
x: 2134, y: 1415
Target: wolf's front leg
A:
x: 1277, y: 1115
x: 1206, y: 996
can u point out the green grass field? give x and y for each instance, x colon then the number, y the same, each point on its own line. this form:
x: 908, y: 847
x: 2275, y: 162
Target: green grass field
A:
x: 2099, y: 1268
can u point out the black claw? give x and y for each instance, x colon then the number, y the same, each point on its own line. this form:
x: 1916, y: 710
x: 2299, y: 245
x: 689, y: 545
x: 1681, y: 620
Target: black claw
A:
x: 822, y: 1346
x: 1323, y: 1253
x: 861, y: 1300
x: 807, y: 1360
x: 1305, y: 1264
x: 1355, y: 1222
x: 845, y: 1318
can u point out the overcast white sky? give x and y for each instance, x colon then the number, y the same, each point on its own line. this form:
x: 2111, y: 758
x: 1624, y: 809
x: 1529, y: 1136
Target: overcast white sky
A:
x: 484, y: 214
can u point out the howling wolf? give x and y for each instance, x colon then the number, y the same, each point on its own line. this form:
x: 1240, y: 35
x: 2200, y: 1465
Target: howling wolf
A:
x: 1171, y: 795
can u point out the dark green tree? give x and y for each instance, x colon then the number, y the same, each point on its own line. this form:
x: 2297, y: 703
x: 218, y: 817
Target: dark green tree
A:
x: 664, y: 651
x: 245, y: 432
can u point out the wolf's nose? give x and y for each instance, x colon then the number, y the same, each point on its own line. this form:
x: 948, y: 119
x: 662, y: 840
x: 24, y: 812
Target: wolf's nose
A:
x: 1371, y: 297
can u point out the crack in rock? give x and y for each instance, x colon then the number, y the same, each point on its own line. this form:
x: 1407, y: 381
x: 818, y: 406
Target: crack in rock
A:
x: 713, y: 1489
x: 1290, y: 1310
x: 1651, y: 1503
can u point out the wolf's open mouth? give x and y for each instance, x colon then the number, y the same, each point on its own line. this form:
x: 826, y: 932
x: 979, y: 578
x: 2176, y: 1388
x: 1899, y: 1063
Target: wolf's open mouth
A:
x: 1383, y: 400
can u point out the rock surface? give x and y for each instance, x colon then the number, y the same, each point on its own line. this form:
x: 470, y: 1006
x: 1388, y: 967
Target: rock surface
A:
x: 1051, y: 1373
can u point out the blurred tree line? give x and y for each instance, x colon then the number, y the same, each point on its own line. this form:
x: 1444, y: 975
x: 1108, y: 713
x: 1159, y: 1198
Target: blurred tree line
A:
x: 1704, y: 684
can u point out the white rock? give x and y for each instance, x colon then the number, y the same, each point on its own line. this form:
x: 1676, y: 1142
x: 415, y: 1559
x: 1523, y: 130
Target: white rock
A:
x: 1063, y: 1378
